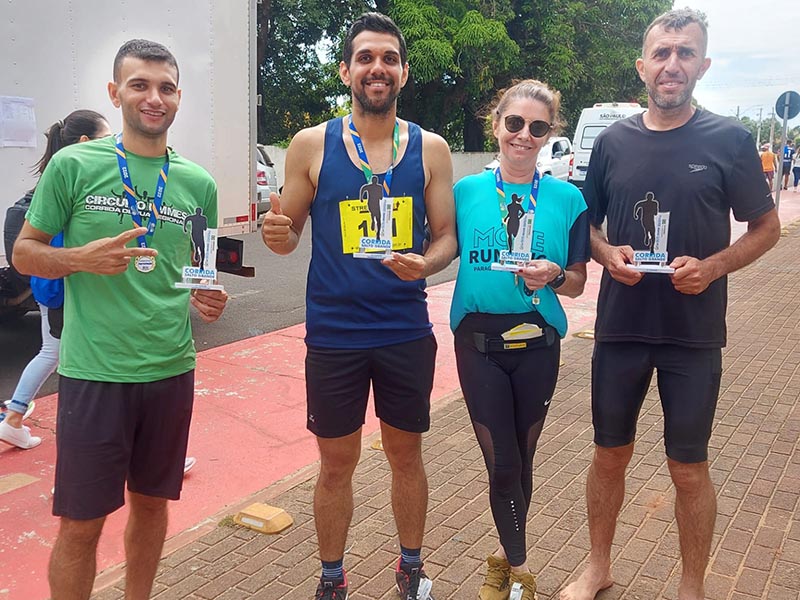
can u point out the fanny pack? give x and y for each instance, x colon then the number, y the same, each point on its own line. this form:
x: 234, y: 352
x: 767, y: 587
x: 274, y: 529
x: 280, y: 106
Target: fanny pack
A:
x: 486, y: 343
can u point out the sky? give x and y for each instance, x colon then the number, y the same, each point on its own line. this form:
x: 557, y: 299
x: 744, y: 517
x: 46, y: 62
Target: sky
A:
x: 754, y: 48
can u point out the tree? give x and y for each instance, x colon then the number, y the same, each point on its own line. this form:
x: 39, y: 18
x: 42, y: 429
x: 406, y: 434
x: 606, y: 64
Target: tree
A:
x: 585, y: 49
x: 462, y: 51
x: 793, y: 133
x: 297, y: 88
x: 455, y: 52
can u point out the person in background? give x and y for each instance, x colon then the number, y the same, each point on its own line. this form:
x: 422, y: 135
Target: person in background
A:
x: 769, y: 164
x: 78, y: 126
x: 788, y: 158
x: 796, y: 169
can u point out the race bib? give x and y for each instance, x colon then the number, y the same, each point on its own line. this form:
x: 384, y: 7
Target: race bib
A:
x: 358, y: 222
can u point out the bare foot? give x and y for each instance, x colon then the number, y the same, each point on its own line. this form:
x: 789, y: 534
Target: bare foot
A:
x: 688, y: 591
x: 588, y: 585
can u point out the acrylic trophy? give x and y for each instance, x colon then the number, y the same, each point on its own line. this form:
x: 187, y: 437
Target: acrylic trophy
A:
x: 656, y: 232
x: 519, y: 253
x: 202, y: 273
x: 380, y: 210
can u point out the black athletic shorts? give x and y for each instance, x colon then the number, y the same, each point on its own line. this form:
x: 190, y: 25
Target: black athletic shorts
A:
x: 338, y: 382
x: 688, y: 384
x: 108, y: 433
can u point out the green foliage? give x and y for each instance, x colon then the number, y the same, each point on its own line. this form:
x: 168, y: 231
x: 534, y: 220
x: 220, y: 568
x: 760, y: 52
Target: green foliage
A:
x: 776, y: 125
x: 460, y: 53
x: 297, y: 88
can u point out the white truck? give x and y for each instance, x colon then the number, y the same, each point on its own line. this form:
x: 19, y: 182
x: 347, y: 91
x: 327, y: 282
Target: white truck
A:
x: 592, y: 121
x: 57, y: 57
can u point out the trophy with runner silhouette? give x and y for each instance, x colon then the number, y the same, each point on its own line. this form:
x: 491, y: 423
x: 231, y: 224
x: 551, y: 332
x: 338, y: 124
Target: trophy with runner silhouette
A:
x: 655, y: 225
x: 202, y: 273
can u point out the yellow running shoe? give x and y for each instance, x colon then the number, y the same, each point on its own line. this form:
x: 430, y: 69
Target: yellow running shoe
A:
x: 527, y: 582
x: 495, y: 586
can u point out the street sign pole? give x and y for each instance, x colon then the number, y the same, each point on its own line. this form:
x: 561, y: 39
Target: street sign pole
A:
x: 779, y: 179
x: 788, y: 105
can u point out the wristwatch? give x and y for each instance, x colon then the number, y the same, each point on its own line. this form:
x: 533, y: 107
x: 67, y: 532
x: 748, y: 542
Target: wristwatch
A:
x: 559, y: 280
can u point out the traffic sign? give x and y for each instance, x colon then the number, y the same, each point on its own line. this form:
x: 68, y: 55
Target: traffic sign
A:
x: 790, y: 99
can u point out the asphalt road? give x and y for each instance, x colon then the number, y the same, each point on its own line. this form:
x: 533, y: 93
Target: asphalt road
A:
x: 273, y: 299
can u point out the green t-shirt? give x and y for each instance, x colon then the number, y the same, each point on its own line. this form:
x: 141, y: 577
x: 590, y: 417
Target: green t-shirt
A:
x: 131, y: 327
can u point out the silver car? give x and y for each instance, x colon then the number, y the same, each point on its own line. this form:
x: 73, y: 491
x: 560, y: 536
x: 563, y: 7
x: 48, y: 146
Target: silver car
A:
x: 266, y: 178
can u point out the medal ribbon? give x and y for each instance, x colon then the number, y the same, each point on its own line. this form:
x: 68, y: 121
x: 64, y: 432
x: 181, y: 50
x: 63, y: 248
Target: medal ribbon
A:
x: 362, y: 155
x: 130, y: 194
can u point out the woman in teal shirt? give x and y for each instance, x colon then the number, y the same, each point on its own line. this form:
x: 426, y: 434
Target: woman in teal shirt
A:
x: 523, y: 239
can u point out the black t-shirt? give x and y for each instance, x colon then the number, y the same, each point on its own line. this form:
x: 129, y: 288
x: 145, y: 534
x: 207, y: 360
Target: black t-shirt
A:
x: 698, y: 173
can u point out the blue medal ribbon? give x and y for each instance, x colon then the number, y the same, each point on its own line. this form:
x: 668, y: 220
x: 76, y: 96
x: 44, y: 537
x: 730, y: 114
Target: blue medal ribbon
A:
x: 130, y: 194
x: 362, y: 155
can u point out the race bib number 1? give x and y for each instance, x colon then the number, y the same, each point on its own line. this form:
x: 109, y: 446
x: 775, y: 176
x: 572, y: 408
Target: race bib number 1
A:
x: 358, y: 224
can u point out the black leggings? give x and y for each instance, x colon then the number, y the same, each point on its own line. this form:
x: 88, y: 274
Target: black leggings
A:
x: 507, y: 395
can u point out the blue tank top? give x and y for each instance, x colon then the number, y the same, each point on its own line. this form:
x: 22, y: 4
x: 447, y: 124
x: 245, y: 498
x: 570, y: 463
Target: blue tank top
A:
x: 353, y: 302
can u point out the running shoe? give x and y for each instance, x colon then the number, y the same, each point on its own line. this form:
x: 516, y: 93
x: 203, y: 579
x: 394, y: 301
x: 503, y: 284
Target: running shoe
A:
x: 188, y: 464
x: 412, y: 583
x: 495, y: 585
x: 332, y: 589
x: 525, y: 588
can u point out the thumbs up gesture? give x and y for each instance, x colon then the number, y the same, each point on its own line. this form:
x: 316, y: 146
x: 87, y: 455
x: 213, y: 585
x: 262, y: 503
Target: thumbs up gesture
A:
x: 276, y: 229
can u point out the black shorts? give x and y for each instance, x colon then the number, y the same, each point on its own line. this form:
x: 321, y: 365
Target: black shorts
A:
x: 688, y: 384
x: 108, y: 433
x: 338, y: 382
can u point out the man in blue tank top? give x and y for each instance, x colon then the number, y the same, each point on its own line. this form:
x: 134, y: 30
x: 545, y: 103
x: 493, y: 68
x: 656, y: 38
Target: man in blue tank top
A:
x: 366, y: 319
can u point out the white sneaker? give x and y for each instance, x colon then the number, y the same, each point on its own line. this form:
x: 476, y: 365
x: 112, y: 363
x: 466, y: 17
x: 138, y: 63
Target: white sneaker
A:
x: 21, y: 438
x: 188, y: 464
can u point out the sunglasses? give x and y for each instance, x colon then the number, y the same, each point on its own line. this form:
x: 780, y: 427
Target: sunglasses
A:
x: 515, y: 123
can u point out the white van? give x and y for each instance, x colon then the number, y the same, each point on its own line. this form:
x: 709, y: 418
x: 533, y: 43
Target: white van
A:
x: 593, y: 120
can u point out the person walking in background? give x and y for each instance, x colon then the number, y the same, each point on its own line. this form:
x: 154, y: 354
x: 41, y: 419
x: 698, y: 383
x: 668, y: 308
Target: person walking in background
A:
x: 700, y: 167
x: 78, y: 126
x: 769, y: 164
x: 507, y: 325
x: 796, y: 169
x: 788, y: 158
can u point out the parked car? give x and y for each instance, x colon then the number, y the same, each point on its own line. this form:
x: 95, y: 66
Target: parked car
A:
x: 553, y: 158
x: 266, y: 178
x: 592, y: 121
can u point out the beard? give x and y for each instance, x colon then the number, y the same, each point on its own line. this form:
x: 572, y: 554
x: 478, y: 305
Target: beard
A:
x: 666, y: 102
x: 378, y: 106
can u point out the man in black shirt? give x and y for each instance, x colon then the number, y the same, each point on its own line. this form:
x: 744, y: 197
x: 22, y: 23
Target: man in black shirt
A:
x: 699, y: 167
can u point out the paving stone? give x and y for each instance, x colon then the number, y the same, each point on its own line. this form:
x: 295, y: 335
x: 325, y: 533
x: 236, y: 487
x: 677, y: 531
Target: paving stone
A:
x: 755, y: 467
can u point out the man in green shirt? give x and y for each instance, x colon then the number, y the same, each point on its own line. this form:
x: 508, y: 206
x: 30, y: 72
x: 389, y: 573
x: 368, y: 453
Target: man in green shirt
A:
x: 127, y: 354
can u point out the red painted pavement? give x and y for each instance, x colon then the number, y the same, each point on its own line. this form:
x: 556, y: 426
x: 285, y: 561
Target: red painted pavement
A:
x: 248, y: 431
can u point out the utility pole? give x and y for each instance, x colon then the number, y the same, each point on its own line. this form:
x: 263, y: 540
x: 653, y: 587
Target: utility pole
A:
x: 737, y: 112
x: 758, y: 134
x: 771, y: 129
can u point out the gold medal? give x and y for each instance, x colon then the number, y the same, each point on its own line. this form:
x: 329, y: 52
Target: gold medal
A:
x: 144, y: 264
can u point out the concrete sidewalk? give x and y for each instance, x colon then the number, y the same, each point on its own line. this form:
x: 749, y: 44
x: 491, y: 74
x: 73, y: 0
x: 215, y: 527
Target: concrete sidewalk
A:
x: 755, y: 456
